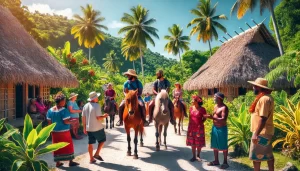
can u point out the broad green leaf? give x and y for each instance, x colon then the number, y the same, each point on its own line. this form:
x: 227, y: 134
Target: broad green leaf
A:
x: 30, y: 153
x: 17, y: 137
x: 9, y: 133
x: 16, y: 165
x: 28, y: 126
x: 44, y: 165
x: 51, y: 148
x: 43, y: 135
x: 36, y: 165
x: 39, y: 127
x: 32, y: 137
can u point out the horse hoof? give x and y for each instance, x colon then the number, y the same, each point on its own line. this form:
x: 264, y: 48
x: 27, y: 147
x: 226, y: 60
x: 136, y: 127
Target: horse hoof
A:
x: 166, y: 147
x: 179, y: 134
x: 142, y: 145
x: 157, y: 149
x: 128, y: 153
x: 135, y: 157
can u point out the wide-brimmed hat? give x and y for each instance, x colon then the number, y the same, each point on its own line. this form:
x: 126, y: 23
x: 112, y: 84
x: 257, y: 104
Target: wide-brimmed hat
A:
x: 130, y: 72
x: 93, y: 95
x: 261, y: 82
x: 73, y: 95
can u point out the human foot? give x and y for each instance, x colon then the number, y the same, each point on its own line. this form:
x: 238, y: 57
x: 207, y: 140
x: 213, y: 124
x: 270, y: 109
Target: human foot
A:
x: 98, y: 157
x: 224, y: 166
x: 72, y: 163
x: 59, y: 164
x: 213, y: 163
x: 193, y: 159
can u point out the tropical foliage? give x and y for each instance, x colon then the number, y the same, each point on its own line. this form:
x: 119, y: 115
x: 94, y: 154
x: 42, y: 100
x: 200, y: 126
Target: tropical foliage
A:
x: 88, y: 28
x: 288, y: 121
x: 112, y: 62
x: 22, y: 152
x: 138, y: 31
x: 287, y: 65
x: 206, y: 22
x: 242, y: 6
x: 240, y: 135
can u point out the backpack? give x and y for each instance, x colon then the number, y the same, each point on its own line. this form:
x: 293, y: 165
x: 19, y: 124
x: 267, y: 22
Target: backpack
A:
x: 156, y: 84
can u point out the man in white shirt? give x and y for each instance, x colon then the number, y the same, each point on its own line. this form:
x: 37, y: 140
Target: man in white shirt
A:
x: 92, y: 126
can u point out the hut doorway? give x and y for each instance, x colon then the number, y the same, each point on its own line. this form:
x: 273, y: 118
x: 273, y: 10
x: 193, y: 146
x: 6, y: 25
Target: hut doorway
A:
x: 19, y: 101
x: 30, y: 91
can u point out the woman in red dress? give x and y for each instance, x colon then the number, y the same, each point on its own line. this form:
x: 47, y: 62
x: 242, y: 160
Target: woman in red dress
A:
x: 196, y: 134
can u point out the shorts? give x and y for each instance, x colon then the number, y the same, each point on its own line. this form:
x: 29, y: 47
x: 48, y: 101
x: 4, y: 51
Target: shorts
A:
x: 97, y: 135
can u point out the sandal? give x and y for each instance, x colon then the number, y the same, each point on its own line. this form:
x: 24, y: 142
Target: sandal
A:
x: 193, y: 159
x: 213, y: 164
x: 93, y: 161
x: 224, y: 166
x: 73, y: 164
x: 98, y: 158
x: 59, y: 165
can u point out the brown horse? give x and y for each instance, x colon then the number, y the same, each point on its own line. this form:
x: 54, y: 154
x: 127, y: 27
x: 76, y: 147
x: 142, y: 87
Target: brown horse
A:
x: 178, y: 114
x: 132, y: 119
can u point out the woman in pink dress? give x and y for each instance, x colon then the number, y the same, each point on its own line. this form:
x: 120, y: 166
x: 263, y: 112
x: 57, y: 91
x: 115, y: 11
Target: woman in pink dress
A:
x: 196, y: 134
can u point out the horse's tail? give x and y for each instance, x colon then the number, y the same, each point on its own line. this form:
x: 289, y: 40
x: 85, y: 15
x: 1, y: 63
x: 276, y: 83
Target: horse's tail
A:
x: 142, y: 130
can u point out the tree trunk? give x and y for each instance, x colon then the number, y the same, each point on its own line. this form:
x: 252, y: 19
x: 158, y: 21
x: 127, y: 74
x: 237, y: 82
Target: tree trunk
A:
x: 142, y: 65
x: 209, y: 47
x: 181, y: 64
x: 89, y: 55
x: 276, y: 29
x: 133, y: 65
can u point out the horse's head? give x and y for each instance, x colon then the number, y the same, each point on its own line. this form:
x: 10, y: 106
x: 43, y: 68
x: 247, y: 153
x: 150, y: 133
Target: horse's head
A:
x: 131, y: 101
x: 107, y: 104
x: 175, y: 102
x: 162, y: 101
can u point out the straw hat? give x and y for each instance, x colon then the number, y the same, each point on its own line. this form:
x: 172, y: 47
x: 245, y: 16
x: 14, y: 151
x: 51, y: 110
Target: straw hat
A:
x: 93, y: 95
x: 130, y: 72
x: 72, y: 95
x: 261, y: 82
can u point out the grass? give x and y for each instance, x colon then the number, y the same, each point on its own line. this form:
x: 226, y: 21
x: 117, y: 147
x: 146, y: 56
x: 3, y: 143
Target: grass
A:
x: 280, y: 161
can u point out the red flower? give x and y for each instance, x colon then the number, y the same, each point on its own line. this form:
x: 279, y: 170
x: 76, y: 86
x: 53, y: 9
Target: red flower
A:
x: 69, y: 55
x: 92, y: 73
x: 73, y: 61
x: 85, y: 62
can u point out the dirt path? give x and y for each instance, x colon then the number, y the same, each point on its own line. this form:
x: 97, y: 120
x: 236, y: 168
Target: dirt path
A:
x: 176, y: 157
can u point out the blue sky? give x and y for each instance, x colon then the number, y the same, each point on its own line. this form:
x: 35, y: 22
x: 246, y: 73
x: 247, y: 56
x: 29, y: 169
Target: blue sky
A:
x: 166, y: 12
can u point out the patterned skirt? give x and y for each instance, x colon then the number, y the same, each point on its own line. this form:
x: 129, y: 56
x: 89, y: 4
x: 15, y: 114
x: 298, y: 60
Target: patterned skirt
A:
x: 66, y: 153
x: 195, y: 136
x: 263, y: 150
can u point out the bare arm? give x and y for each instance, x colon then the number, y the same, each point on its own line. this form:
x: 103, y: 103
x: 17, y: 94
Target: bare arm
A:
x: 73, y: 111
x: 49, y: 122
x: 154, y: 91
x: 100, y: 118
x: 223, y: 115
x: 261, y: 124
x: 68, y: 121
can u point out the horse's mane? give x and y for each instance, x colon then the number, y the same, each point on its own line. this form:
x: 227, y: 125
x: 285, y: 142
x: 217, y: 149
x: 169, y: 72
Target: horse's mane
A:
x: 162, y: 95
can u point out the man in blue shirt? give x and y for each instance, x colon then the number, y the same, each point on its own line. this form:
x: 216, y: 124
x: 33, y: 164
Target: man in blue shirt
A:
x: 159, y: 84
x: 132, y: 84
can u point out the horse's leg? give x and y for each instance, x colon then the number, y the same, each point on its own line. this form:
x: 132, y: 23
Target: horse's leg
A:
x: 136, y: 131
x: 165, y: 135
x: 160, y: 131
x: 106, y: 123
x: 128, y: 141
x: 141, y: 138
x: 182, y: 123
x: 113, y: 120
x: 175, y: 130
x: 156, y: 135
x: 180, y: 118
x: 110, y: 120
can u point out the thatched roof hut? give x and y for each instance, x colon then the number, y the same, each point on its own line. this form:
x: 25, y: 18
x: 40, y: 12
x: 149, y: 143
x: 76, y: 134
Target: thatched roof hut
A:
x: 26, y: 69
x: 23, y: 60
x: 242, y: 58
x: 148, y: 87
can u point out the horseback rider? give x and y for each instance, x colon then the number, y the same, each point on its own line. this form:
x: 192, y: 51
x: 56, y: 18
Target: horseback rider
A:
x: 177, y: 94
x: 159, y: 84
x: 110, y: 92
x: 132, y: 84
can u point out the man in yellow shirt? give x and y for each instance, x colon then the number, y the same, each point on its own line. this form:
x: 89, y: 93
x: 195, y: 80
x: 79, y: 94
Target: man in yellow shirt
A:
x: 262, y: 126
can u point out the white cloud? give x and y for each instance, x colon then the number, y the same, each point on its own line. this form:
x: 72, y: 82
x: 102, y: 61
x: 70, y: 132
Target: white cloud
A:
x: 115, y: 24
x: 45, y: 9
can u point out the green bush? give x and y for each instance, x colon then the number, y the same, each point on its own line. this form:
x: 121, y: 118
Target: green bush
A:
x: 22, y: 152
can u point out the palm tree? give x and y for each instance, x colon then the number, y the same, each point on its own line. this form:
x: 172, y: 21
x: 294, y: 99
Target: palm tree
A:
x: 112, y: 62
x: 130, y: 52
x: 287, y: 65
x: 177, y: 42
x: 242, y: 6
x: 206, y: 23
x: 88, y: 28
x: 138, y: 32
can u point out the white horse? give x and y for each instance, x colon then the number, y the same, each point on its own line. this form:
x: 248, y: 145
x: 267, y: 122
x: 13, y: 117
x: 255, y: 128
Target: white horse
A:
x: 161, y: 116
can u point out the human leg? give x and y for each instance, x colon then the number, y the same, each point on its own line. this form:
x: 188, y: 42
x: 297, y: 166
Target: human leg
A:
x: 121, y: 110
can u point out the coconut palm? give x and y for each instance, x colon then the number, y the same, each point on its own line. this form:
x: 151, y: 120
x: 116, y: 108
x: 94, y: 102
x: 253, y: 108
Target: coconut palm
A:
x: 242, y: 6
x: 138, y: 31
x: 177, y: 42
x: 130, y: 52
x: 206, y: 22
x: 88, y: 29
x: 112, y: 62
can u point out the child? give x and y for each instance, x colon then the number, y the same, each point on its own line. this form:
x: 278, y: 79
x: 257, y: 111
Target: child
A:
x: 196, y: 133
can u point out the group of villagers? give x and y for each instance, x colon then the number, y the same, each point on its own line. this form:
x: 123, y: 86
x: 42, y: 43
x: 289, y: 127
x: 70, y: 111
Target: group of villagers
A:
x: 261, y: 121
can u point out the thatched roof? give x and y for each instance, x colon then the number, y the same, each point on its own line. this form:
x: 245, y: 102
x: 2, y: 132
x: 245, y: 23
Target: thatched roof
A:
x: 148, y: 87
x: 242, y: 58
x: 23, y: 60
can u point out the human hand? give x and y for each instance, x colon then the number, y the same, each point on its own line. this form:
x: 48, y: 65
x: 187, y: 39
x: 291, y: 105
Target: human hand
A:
x: 254, y: 139
x: 84, y: 131
x: 209, y: 116
x: 105, y: 115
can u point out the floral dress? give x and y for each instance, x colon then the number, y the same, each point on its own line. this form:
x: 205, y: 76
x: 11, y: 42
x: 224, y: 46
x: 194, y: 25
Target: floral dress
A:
x: 196, y: 133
